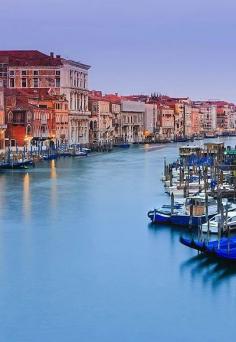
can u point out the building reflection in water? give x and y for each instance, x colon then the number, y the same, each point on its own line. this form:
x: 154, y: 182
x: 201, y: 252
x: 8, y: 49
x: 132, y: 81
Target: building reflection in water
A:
x: 2, y: 194
x: 53, y: 176
x: 26, y: 197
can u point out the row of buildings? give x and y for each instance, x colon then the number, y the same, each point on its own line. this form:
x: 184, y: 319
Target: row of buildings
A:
x: 46, y: 98
x: 157, y: 118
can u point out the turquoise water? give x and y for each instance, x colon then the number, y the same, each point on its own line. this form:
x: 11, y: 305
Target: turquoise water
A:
x: 79, y: 261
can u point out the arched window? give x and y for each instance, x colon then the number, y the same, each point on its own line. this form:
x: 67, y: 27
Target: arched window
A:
x: 28, y: 130
x: 29, y: 116
x: 10, y: 117
x: 43, y: 129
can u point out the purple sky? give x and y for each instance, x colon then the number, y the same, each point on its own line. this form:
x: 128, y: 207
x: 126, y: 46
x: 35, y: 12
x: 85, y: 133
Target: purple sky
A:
x: 177, y: 47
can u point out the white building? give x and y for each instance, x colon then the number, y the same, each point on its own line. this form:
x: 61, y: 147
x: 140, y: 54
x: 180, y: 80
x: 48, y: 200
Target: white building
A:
x: 151, y: 125
x: 74, y: 84
x: 232, y: 120
x: 207, y: 116
x: 132, y: 120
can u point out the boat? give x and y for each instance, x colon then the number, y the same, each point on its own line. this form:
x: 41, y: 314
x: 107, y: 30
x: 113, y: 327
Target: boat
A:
x: 198, y: 137
x: 181, y: 216
x: 210, y: 246
x: 122, y: 145
x: 16, y: 165
x: 189, y: 150
x: 215, y: 221
x: 181, y: 139
x: 224, y: 248
x: 162, y: 215
x: 209, y: 135
x: 80, y: 154
x: 65, y: 154
x: 85, y: 149
x: 50, y: 156
x: 228, y: 253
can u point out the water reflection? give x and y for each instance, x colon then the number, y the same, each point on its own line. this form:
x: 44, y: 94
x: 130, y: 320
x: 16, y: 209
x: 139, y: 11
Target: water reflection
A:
x: 26, y: 197
x: 53, y: 169
x: 53, y: 176
x: 209, y: 270
x: 2, y: 192
x: 174, y: 232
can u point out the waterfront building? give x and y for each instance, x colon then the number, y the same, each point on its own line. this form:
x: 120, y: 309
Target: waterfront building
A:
x: 195, y: 119
x: 115, y: 109
x: 30, y: 69
x: 207, y: 116
x: 232, y: 121
x: 151, y: 122
x: 57, y: 106
x: 74, y: 84
x: 35, y: 116
x: 210, y: 123
x: 34, y: 69
x: 188, y: 129
x: 182, y: 117
x: 132, y: 120
x: 101, y: 128
x: 2, y: 118
x: 167, y: 122
x: 178, y: 119
x: 224, y: 110
x: 61, y: 111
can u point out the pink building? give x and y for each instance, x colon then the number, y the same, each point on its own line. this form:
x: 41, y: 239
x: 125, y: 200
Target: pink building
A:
x: 167, y: 122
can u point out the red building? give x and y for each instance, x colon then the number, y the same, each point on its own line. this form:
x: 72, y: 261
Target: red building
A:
x: 30, y: 69
x: 31, y: 115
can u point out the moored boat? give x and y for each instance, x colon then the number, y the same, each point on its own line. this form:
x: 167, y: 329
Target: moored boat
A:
x: 224, y: 248
x: 122, y: 145
x: 16, y: 165
x: 215, y: 223
x: 80, y: 154
x: 50, y: 156
x: 181, y: 216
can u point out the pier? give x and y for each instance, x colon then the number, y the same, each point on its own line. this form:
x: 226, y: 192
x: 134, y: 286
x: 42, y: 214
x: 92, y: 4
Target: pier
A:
x: 201, y: 184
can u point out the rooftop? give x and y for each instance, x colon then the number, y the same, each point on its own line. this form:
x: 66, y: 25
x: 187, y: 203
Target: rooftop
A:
x: 28, y: 58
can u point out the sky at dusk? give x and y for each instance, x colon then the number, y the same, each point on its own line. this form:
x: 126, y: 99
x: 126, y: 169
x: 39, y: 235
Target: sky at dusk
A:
x: 179, y: 48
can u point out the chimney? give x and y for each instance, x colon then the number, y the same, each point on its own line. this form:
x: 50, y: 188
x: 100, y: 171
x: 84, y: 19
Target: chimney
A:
x: 58, y: 56
x: 51, y: 54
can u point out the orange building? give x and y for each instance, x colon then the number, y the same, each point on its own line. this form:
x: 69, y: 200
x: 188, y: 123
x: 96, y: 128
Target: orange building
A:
x: 31, y: 116
x: 2, y: 120
x: 196, y: 122
x: 167, y: 122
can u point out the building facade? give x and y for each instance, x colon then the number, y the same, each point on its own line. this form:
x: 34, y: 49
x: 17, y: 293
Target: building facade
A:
x: 151, y: 123
x: 35, y: 116
x: 101, y: 121
x: 2, y: 118
x: 132, y: 121
x: 74, y: 84
x: 167, y: 122
x: 32, y: 69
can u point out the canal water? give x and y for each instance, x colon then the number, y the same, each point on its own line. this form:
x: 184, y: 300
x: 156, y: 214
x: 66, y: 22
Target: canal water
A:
x: 80, y: 262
